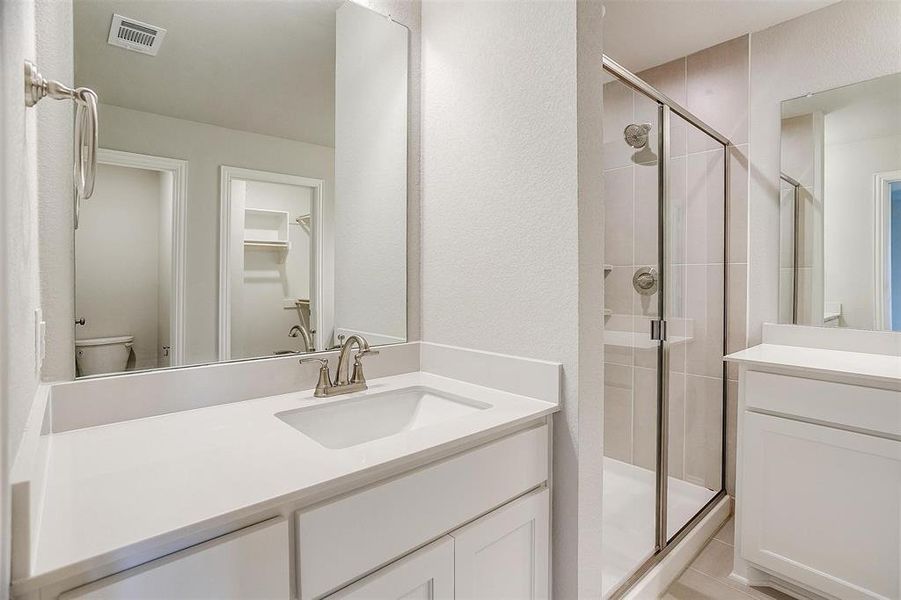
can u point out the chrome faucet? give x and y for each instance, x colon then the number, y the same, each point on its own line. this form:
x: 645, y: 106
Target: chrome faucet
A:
x: 301, y: 331
x: 342, y: 385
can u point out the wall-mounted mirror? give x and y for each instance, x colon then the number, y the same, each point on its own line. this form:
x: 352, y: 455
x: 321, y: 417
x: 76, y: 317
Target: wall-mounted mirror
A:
x: 840, y: 254
x: 251, y: 193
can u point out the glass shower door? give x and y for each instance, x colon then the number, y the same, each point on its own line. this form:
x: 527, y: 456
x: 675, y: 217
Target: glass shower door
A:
x: 694, y: 310
x: 632, y: 131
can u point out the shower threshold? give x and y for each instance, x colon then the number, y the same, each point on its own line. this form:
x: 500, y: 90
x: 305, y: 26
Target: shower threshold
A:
x: 628, y: 516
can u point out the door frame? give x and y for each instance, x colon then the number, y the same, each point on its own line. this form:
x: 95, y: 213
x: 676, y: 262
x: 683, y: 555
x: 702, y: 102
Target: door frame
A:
x: 226, y: 175
x: 882, y: 242
x: 178, y: 169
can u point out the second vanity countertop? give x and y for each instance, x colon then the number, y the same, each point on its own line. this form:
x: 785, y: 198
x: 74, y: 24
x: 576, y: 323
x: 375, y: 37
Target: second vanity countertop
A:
x: 114, y: 488
x: 882, y: 369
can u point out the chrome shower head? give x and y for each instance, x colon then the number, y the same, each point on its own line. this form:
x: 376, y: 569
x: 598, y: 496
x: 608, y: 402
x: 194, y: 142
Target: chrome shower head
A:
x: 637, y: 135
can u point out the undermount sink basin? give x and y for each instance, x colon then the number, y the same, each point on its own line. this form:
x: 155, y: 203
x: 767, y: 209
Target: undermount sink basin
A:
x: 361, y: 419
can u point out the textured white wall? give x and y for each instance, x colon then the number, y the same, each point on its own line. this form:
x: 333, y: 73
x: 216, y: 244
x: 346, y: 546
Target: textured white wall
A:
x: 117, y: 257
x: 20, y: 283
x: 54, y: 53
x: 18, y: 250
x: 502, y: 235
x: 370, y: 178
x: 206, y: 148
x: 841, y: 44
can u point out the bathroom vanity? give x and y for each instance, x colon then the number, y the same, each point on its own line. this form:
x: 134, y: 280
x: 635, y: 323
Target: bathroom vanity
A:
x: 427, y: 485
x: 819, y: 462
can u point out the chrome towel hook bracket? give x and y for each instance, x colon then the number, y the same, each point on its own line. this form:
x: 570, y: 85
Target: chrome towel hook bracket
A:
x: 84, y: 168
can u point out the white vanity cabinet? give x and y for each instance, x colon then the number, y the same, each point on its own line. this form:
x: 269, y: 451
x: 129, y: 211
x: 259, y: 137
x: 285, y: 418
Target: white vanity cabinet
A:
x: 821, y: 505
x: 501, y: 555
x: 818, y: 485
x: 249, y: 563
x: 427, y: 574
x: 505, y: 554
x: 473, y: 525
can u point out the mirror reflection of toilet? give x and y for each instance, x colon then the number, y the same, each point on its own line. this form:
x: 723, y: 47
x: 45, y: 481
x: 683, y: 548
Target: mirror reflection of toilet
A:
x: 103, y: 355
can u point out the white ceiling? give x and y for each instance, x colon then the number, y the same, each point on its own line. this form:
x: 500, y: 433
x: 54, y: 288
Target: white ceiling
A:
x: 640, y: 34
x: 265, y: 66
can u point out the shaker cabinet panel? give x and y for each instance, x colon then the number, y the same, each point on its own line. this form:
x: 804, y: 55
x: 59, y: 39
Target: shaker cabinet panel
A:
x: 427, y: 574
x: 505, y: 553
x: 820, y: 506
x: 251, y: 563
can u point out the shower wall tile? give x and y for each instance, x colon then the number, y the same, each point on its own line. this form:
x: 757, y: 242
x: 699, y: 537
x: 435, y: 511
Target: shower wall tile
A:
x: 617, y: 114
x: 677, y: 211
x: 786, y: 277
x: 618, y: 412
x: 618, y: 290
x: 704, y: 306
x: 705, y: 207
x: 809, y: 217
x: 676, y: 441
x: 647, y: 215
x: 621, y: 355
x: 737, y: 299
x: 619, y: 216
x: 798, y: 148
x: 669, y: 78
x: 644, y: 418
x: 737, y: 207
x: 703, y: 430
x: 731, y: 434
x: 717, y: 92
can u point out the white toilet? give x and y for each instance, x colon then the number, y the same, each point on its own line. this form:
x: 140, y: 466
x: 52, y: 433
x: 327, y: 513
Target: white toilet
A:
x: 103, y: 355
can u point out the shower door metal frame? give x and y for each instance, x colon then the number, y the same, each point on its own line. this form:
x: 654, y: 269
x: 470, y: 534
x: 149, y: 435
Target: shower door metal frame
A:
x: 796, y: 213
x: 666, y: 107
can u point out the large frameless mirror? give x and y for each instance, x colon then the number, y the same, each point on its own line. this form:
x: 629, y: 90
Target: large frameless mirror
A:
x: 840, y: 199
x: 251, y: 191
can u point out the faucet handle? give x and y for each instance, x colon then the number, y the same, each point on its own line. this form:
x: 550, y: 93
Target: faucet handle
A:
x: 323, y: 362
x: 357, y: 376
x: 325, y: 381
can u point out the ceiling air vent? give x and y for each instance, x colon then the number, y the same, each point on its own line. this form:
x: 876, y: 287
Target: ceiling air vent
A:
x: 135, y: 35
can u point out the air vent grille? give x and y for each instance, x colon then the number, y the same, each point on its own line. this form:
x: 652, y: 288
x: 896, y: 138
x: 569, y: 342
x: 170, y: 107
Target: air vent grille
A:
x: 134, y: 35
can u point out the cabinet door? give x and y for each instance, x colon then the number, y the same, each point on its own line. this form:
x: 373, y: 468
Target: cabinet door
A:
x: 427, y: 574
x: 250, y: 564
x: 504, y: 555
x: 820, y: 506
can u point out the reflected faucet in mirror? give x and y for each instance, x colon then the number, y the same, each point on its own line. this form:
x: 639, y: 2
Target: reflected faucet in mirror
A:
x: 301, y: 331
x: 343, y: 384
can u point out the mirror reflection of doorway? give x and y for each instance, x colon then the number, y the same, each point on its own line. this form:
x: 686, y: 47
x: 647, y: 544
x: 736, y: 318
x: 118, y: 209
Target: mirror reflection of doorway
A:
x: 270, y: 275
x: 128, y: 257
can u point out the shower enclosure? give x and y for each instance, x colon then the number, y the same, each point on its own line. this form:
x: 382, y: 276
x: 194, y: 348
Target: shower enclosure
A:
x: 665, y: 198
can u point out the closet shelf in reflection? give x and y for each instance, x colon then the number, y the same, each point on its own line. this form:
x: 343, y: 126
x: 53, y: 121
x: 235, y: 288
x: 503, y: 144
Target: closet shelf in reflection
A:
x: 281, y: 247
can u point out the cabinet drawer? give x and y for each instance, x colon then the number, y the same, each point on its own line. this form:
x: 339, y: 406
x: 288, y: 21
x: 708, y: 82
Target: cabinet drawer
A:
x: 249, y: 563
x: 820, y: 506
x: 856, y: 406
x: 340, y: 541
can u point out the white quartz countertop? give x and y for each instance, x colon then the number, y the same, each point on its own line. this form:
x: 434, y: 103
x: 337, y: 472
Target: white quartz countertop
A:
x: 119, y: 488
x: 880, y: 368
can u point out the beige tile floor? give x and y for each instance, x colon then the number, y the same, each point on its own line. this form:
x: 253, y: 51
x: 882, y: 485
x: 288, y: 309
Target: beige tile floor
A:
x: 707, y: 578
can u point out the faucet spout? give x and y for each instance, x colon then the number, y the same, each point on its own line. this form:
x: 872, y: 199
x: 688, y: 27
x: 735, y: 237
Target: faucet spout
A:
x: 342, y: 372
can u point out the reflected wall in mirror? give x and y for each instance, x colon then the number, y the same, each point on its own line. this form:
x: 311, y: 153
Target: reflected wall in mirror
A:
x: 840, y: 200
x: 251, y: 197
